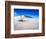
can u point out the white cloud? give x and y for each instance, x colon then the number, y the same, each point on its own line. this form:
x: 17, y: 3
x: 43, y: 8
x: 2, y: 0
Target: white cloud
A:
x: 29, y: 23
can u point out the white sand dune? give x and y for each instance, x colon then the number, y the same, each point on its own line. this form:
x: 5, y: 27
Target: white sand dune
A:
x: 29, y: 23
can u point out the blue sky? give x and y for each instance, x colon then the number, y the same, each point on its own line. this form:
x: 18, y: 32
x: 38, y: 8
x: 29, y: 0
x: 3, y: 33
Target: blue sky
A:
x: 26, y: 12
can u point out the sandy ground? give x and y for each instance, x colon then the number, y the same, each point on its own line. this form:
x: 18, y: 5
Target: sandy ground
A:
x: 29, y: 23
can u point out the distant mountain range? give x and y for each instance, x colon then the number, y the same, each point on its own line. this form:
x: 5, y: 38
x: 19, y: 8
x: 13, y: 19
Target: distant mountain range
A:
x: 23, y: 18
